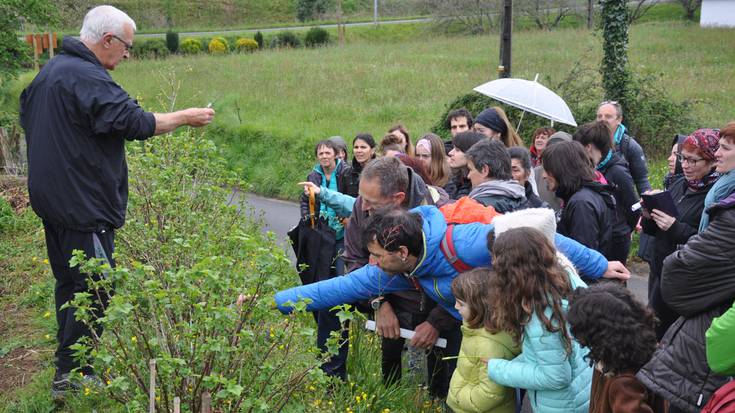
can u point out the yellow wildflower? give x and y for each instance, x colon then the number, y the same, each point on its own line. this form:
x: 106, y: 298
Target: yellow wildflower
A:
x: 87, y: 391
x: 47, y: 314
x: 134, y: 339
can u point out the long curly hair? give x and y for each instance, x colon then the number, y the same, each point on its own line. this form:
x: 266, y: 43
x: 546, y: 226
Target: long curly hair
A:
x: 617, y: 328
x: 472, y: 287
x: 529, y: 280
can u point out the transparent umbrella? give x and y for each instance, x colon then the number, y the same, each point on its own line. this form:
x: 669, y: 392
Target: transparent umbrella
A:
x: 529, y: 96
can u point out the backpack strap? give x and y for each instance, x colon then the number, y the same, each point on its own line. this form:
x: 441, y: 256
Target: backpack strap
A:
x: 447, y: 248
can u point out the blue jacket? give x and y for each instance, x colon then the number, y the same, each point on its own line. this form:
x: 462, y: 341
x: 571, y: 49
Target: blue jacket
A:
x: 556, y: 383
x: 433, y: 272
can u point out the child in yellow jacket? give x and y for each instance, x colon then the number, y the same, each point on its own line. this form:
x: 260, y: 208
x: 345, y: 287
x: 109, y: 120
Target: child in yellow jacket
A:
x: 470, y: 389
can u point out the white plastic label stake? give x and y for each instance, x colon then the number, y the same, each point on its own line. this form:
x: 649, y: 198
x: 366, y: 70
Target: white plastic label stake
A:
x: 407, y: 334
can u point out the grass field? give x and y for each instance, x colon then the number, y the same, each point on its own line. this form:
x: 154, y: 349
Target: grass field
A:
x: 296, y: 96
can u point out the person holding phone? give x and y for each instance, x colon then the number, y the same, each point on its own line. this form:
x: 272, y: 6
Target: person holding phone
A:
x: 697, y: 158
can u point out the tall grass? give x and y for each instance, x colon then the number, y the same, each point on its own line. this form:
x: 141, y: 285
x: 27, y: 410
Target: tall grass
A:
x: 300, y: 96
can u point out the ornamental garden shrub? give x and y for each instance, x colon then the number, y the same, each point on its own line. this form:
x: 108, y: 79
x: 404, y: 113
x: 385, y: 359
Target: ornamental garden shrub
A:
x: 285, y: 39
x: 183, y: 257
x: 245, y: 45
x: 316, y: 36
x: 218, y: 45
x: 259, y: 38
x: 191, y: 45
x: 153, y: 48
x: 172, y: 41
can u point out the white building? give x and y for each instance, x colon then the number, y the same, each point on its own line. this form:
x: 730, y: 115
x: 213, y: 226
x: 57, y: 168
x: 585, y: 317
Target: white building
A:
x: 717, y: 13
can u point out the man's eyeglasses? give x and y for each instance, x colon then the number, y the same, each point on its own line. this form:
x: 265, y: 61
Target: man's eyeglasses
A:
x: 128, y: 46
x: 691, y: 161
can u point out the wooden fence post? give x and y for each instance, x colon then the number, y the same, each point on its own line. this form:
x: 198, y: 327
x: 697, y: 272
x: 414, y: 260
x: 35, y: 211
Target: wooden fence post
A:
x: 206, y: 402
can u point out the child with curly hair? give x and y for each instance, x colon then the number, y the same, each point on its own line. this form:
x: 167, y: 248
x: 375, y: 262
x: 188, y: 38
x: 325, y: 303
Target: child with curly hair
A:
x: 531, y: 289
x: 470, y: 389
x: 619, y: 332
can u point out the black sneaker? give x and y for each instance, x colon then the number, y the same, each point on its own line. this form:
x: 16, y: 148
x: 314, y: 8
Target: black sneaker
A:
x: 66, y: 382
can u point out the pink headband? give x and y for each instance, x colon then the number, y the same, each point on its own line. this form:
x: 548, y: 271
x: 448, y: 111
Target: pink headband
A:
x: 424, y: 143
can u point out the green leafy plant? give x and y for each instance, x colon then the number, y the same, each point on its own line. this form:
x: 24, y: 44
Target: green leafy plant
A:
x: 153, y: 48
x: 613, y: 68
x: 316, y: 36
x: 15, y: 53
x: 183, y: 257
x: 7, y: 215
x: 285, y: 39
x: 172, y: 41
x: 218, y: 45
x: 259, y: 38
x: 246, y: 45
x: 191, y: 46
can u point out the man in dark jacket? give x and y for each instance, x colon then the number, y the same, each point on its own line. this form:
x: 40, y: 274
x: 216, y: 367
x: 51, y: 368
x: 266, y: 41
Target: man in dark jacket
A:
x: 386, y: 182
x: 625, y: 145
x: 492, y: 182
x: 76, y: 120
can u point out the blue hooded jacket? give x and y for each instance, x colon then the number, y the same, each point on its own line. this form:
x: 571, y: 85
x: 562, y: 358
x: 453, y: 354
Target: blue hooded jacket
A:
x: 433, y: 272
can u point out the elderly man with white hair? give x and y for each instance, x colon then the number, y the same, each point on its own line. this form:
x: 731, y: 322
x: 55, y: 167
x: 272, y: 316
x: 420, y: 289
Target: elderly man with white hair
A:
x: 76, y: 120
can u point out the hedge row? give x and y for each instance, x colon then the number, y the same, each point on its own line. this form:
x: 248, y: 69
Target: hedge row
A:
x: 160, y: 48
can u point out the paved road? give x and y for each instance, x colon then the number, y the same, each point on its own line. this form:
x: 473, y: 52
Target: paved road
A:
x: 276, y: 29
x: 280, y: 216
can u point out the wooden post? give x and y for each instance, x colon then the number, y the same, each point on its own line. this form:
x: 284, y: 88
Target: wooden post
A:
x: 206, y: 403
x: 177, y: 404
x: 35, y: 53
x: 50, y: 45
x: 506, y: 39
x: 152, y: 388
x: 590, y: 13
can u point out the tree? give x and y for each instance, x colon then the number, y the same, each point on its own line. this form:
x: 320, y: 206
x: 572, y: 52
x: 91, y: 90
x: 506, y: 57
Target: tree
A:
x: 690, y: 7
x: 14, y: 53
x: 547, y: 14
x: 614, y: 70
x: 469, y: 16
x: 309, y: 9
x: 638, y: 8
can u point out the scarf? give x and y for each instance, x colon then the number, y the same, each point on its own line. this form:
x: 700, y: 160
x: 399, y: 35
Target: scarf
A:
x: 698, y: 184
x: 724, y: 186
x: 619, y: 132
x: 606, y: 160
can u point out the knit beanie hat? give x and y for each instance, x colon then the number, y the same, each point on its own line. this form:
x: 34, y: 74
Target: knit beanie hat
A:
x: 491, y: 119
x: 705, y: 140
x: 464, y: 141
x: 542, y: 219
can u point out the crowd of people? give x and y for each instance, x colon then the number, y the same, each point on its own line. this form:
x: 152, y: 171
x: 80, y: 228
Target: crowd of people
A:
x: 517, y: 258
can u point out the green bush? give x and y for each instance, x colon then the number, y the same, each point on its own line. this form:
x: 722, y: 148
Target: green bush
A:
x: 218, y: 45
x: 172, y: 41
x: 183, y: 257
x: 153, y: 48
x: 285, y: 39
x: 259, y: 38
x: 246, y: 45
x: 191, y: 46
x: 316, y: 36
x: 7, y: 215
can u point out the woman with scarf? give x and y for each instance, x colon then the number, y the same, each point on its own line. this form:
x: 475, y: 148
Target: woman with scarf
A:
x: 363, y: 151
x: 540, y: 138
x: 596, y: 139
x: 698, y: 283
x: 588, y: 210
x: 697, y: 158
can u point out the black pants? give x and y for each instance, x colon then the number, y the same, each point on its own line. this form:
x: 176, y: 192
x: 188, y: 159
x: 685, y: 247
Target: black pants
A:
x: 60, y: 242
x: 439, y: 371
x: 620, y: 248
x: 327, y: 321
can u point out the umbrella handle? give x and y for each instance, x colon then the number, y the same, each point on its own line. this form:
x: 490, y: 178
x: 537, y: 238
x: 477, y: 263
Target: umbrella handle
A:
x: 312, y: 206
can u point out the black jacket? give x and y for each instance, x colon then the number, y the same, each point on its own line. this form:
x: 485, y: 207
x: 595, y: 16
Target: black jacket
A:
x: 588, y: 216
x: 618, y: 178
x: 534, y: 201
x: 689, y: 204
x: 351, y: 178
x: 698, y: 282
x: 633, y: 154
x: 76, y: 120
x: 458, y: 186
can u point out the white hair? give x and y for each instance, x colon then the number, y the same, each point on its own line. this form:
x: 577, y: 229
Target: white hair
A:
x: 104, y: 19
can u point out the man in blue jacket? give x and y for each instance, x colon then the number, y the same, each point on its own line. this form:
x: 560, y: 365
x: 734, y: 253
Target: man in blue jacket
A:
x: 405, y: 245
x: 76, y: 120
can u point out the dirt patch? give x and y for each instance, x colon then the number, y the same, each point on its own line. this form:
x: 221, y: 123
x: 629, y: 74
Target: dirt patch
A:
x: 15, y: 191
x: 638, y: 267
x: 27, y: 353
